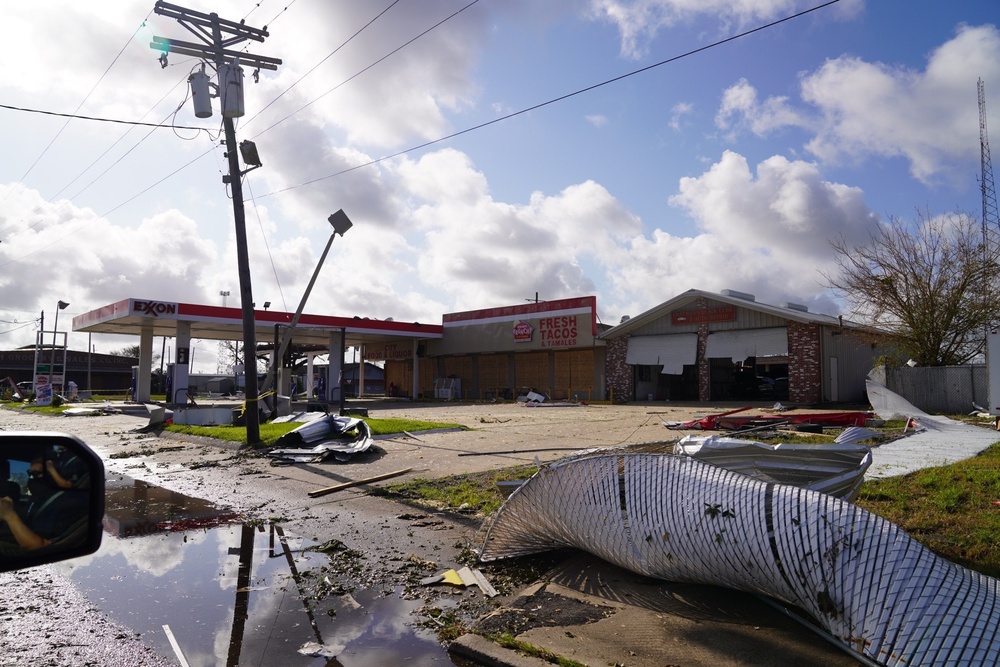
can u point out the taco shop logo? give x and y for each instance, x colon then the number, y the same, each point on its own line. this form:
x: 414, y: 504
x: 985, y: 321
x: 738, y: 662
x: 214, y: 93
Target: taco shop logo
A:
x: 522, y: 332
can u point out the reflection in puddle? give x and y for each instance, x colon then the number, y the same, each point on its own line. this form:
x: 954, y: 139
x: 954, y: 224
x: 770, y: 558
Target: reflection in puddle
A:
x: 179, y: 571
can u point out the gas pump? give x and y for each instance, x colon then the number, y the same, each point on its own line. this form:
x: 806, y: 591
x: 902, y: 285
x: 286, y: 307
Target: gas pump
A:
x: 168, y: 383
x: 133, y: 385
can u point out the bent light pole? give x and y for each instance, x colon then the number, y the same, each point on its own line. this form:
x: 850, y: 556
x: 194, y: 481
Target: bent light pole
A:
x: 340, y: 223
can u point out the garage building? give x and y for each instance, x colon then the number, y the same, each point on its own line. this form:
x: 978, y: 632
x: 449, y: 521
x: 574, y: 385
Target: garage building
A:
x: 703, y: 346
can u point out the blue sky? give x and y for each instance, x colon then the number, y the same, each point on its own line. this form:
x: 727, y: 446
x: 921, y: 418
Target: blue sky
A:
x: 729, y: 168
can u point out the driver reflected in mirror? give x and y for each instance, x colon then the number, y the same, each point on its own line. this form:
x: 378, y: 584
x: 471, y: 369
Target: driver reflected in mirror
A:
x: 51, y: 507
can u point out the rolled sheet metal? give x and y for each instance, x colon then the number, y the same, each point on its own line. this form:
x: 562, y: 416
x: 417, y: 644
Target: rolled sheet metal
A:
x: 864, y: 580
x: 834, y: 468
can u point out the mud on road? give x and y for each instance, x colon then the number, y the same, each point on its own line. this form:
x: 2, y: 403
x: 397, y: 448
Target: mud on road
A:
x: 392, y: 545
x: 379, y: 543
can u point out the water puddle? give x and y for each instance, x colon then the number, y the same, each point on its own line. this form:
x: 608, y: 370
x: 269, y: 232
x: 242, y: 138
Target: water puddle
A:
x: 199, y: 585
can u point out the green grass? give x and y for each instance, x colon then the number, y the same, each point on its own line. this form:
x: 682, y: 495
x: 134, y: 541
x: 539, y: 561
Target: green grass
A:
x: 474, y: 493
x: 950, y: 509
x: 509, y: 641
x: 270, y: 432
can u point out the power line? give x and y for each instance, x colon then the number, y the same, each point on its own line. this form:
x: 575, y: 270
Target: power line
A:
x: 454, y: 134
x: 106, y: 151
x: 23, y: 326
x: 359, y: 73
x: 313, y: 68
x: 84, y: 100
x: 274, y: 269
x: 76, y: 116
x: 369, y: 23
x: 551, y: 101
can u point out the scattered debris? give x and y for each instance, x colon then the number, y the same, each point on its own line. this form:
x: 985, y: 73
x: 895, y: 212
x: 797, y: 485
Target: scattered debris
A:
x: 560, y: 404
x: 727, y: 420
x: 82, y: 412
x: 464, y: 577
x: 317, y: 650
x: 855, y: 434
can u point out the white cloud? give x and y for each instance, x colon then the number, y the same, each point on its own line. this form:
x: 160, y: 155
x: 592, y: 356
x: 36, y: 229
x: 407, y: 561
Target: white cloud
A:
x: 876, y: 109
x: 597, y: 120
x: 639, y: 21
x: 678, y: 113
x: 485, y: 252
x: 765, y: 233
x: 740, y: 101
x: 401, y: 98
x: 863, y: 109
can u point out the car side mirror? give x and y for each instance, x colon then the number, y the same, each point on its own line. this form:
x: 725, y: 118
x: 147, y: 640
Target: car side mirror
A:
x: 51, y: 499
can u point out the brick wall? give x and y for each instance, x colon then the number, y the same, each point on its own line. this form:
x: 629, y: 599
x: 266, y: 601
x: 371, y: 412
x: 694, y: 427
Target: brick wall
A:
x: 620, y: 385
x: 805, y: 367
x: 704, y: 368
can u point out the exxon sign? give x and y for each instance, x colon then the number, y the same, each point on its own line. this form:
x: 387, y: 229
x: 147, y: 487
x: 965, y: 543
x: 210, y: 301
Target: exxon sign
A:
x: 153, y: 308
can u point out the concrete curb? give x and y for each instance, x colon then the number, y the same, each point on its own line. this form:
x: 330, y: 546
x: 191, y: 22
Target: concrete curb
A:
x: 485, y: 652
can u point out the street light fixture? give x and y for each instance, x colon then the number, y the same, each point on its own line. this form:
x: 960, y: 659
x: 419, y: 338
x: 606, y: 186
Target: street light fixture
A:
x: 340, y: 223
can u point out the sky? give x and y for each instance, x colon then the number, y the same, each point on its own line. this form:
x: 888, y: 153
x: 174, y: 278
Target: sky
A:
x: 486, y: 151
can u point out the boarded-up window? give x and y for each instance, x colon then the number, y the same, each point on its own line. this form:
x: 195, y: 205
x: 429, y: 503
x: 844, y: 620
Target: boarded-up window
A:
x: 459, y: 367
x: 574, y: 374
x: 398, y: 377
x: 493, y: 376
x: 428, y: 371
x: 531, y: 369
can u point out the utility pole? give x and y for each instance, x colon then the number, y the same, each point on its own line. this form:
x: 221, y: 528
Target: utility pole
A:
x: 209, y: 28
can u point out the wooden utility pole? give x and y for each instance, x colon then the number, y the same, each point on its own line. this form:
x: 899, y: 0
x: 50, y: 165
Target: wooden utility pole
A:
x: 217, y: 35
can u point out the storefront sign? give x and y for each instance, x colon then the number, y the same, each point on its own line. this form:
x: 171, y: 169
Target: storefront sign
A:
x: 558, y: 331
x: 154, y: 308
x: 703, y: 315
x: 522, y: 331
x: 388, y: 352
x: 43, y: 394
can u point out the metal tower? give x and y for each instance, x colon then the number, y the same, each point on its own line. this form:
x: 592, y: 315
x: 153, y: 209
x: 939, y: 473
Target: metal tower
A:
x: 991, y: 216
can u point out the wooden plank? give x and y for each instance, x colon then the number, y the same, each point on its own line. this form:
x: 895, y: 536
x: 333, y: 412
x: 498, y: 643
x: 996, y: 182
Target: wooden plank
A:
x: 347, y: 485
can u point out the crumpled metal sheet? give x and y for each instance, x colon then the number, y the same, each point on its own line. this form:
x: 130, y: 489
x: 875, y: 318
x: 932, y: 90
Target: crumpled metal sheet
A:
x: 837, y: 469
x: 866, y: 582
x: 329, y: 435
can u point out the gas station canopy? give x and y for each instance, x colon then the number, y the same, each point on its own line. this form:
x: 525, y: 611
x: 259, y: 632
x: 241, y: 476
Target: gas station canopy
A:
x: 137, y: 316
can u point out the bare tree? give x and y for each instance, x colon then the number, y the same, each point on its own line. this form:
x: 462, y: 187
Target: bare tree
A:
x: 127, y: 351
x: 930, y: 287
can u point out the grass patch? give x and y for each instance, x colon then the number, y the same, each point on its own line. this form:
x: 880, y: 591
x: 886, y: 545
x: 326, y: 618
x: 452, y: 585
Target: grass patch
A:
x: 270, y: 432
x: 950, y: 509
x: 509, y: 641
x: 474, y: 493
